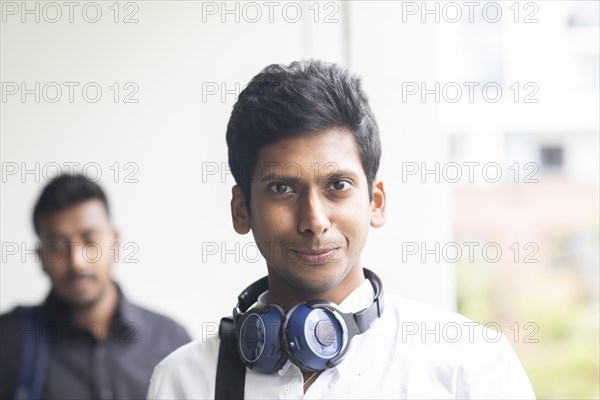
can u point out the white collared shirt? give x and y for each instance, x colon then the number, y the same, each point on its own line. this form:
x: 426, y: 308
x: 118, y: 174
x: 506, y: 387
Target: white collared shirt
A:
x: 413, y: 351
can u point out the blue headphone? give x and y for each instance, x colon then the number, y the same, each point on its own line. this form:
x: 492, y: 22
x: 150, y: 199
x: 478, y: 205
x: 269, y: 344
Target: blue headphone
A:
x: 314, y: 335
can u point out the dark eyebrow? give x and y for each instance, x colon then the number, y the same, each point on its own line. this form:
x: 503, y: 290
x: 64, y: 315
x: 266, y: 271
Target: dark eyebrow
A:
x: 53, y: 236
x: 336, y: 174
x: 89, y: 231
x: 341, y: 174
x: 83, y: 233
x: 278, y: 178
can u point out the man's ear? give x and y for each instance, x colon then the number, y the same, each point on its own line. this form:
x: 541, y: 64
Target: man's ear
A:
x: 378, y: 205
x: 239, y: 211
x: 116, y: 244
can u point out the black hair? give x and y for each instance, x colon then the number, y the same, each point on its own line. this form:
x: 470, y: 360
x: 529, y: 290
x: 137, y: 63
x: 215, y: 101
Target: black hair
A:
x: 302, y: 97
x: 65, y: 191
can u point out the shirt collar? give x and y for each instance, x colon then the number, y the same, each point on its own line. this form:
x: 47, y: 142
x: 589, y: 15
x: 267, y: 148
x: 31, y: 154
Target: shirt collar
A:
x: 358, y: 299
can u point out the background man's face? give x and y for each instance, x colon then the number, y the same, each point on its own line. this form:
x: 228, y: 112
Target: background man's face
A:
x: 326, y: 210
x: 77, y: 250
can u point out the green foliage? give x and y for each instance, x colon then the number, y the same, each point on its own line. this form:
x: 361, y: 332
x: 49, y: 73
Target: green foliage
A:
x: 565, y: 362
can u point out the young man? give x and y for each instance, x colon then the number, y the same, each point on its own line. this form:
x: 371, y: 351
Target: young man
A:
x: 304, y: 149
x: 86, y: 341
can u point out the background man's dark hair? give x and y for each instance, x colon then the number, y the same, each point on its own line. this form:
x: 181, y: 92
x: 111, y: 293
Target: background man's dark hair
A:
x: 305, y: 96
x: 65, y: 191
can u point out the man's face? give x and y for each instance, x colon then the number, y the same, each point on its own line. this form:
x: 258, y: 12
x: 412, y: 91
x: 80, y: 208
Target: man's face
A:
x: 77, y: 250
x: 309, y: 209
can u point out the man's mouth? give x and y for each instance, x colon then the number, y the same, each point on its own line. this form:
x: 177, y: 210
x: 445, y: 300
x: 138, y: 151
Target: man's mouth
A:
x: 317, y: 255
x: 78, y: 281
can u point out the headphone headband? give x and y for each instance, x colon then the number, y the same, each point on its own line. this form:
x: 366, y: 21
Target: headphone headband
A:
x: 365, y: 317
x: 250, y: 295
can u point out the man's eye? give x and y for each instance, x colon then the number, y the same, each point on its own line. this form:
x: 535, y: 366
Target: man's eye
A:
x: 341, y: 185
x: 90, y: 241
x: 51, y: 248
x: 280, y: 188
x: 91, y: 238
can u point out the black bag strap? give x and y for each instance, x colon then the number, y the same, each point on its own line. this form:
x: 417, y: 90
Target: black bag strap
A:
x: 231, y: 372
x: 34, y: 354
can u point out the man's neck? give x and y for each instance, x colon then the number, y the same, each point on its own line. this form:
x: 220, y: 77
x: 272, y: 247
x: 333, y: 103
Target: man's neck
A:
x: 99, y: 315
x: 287, y: 296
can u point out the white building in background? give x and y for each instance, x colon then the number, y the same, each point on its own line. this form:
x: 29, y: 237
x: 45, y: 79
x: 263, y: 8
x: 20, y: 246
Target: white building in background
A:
x: 543, y: 131
x: 547, y: 67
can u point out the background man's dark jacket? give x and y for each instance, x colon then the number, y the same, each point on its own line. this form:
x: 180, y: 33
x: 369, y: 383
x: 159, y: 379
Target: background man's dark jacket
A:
x: 79, y: 367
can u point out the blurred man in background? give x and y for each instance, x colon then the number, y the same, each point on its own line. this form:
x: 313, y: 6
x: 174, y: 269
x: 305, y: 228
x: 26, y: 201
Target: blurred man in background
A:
x: 86, y: 341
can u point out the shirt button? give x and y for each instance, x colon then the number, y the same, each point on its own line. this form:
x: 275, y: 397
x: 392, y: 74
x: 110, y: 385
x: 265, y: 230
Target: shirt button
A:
x: 106, y: 394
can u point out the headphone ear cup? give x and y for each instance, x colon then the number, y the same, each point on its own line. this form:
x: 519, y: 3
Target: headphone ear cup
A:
x: 258, y: 338
x: 312, y: 336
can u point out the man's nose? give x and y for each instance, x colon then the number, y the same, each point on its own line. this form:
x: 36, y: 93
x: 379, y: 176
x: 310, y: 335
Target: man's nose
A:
x: 314, y: 218
x: 78, y: 259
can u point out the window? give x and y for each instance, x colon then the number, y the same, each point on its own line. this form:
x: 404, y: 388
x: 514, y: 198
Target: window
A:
x: 552, y: 157
x: 585, y: 13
